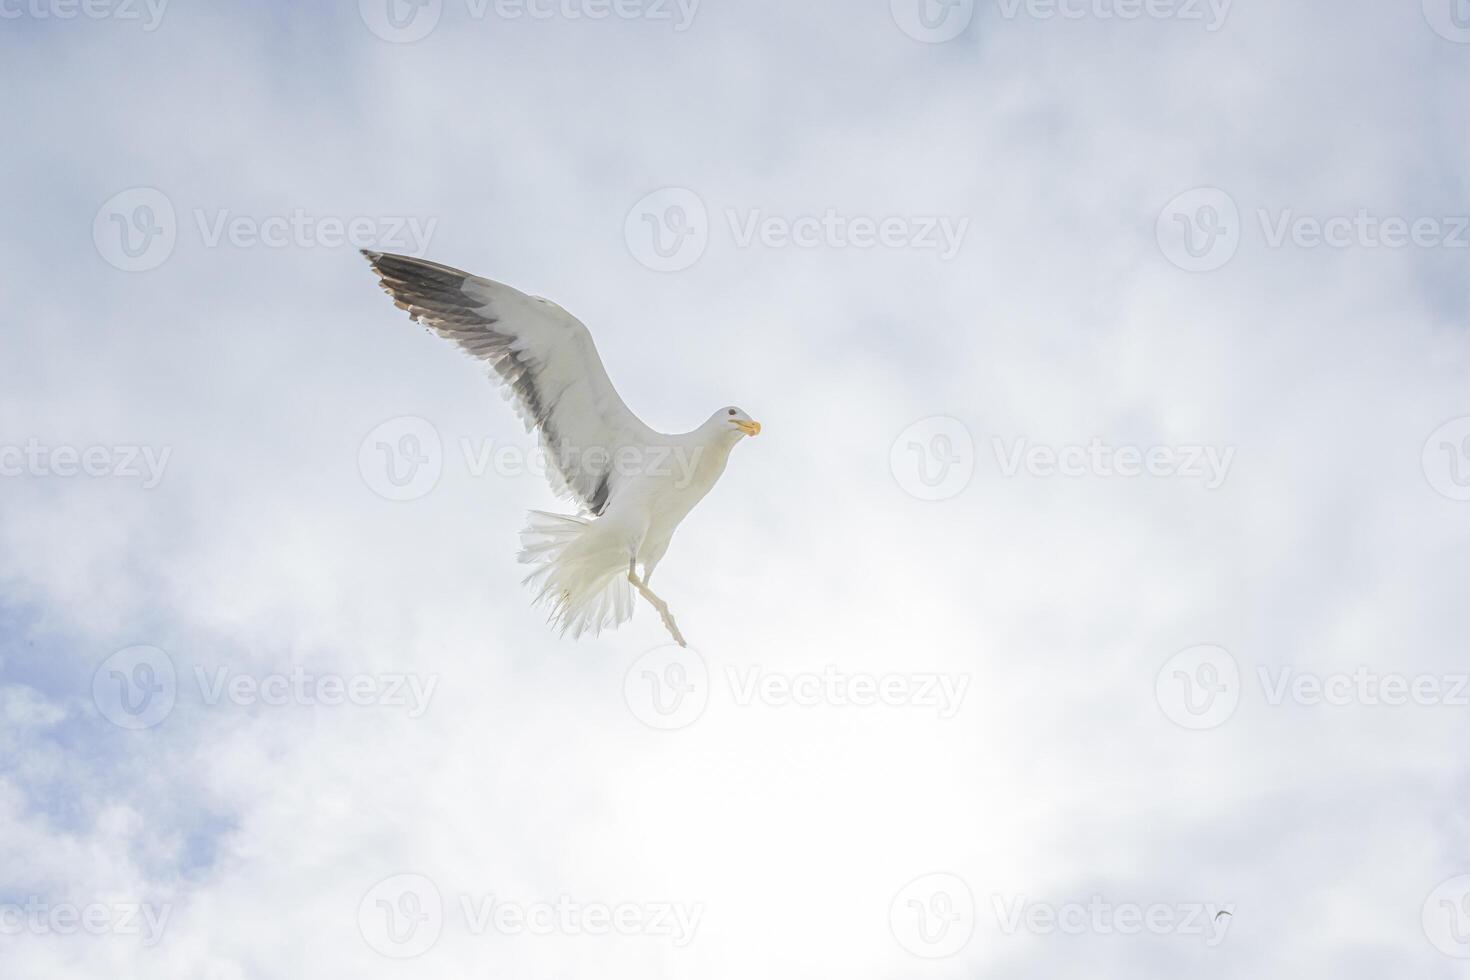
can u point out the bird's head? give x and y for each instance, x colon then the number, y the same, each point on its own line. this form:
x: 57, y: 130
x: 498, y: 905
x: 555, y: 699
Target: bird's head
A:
x: 735, y: 422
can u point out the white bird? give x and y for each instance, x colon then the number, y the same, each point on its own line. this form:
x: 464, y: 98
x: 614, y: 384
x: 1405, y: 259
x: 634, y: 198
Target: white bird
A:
x: 634, y: 485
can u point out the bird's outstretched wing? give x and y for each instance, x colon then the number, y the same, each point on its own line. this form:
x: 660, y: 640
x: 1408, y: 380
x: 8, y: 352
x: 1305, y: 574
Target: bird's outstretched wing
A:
x: 543, y: 355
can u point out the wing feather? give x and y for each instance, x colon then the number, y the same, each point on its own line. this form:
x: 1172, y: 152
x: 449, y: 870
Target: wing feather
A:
x: 545, y: 358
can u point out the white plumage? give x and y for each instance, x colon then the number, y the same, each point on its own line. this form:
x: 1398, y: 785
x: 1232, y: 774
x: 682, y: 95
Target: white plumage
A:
x: 633, y: 484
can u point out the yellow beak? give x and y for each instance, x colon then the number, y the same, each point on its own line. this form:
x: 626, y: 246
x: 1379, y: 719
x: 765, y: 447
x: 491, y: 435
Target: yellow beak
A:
x: 751, y: 428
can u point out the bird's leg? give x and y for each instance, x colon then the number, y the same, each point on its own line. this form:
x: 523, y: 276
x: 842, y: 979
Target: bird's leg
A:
x: 655, y: 601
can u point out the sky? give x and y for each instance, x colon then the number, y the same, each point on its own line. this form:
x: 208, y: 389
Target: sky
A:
x: 1093, y: 599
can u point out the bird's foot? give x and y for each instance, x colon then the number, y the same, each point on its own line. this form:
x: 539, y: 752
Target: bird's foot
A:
x: 668, y: 617
x: 670, y: 625
x: 660, y: 606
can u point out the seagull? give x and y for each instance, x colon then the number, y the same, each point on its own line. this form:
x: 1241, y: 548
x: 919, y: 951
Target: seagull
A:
x: 633, y: 485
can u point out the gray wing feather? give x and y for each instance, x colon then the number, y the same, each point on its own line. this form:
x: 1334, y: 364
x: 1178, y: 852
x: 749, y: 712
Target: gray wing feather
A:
x: 543, y: 355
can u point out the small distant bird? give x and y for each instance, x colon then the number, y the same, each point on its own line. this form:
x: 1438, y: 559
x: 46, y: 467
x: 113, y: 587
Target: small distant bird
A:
x: 634, y: 485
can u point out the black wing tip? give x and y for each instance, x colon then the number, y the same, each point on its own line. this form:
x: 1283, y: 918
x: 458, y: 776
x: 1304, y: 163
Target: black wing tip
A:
x: 410, y: 267
x: 379, y: 259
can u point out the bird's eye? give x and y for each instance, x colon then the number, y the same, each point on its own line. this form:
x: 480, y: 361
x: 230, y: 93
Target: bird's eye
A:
x: 732, y: 411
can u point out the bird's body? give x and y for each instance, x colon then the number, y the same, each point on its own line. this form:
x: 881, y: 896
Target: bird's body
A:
x: 634, y: 485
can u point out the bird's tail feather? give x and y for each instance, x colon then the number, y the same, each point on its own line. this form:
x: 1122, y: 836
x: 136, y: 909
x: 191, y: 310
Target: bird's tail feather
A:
x: 580, y: 572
